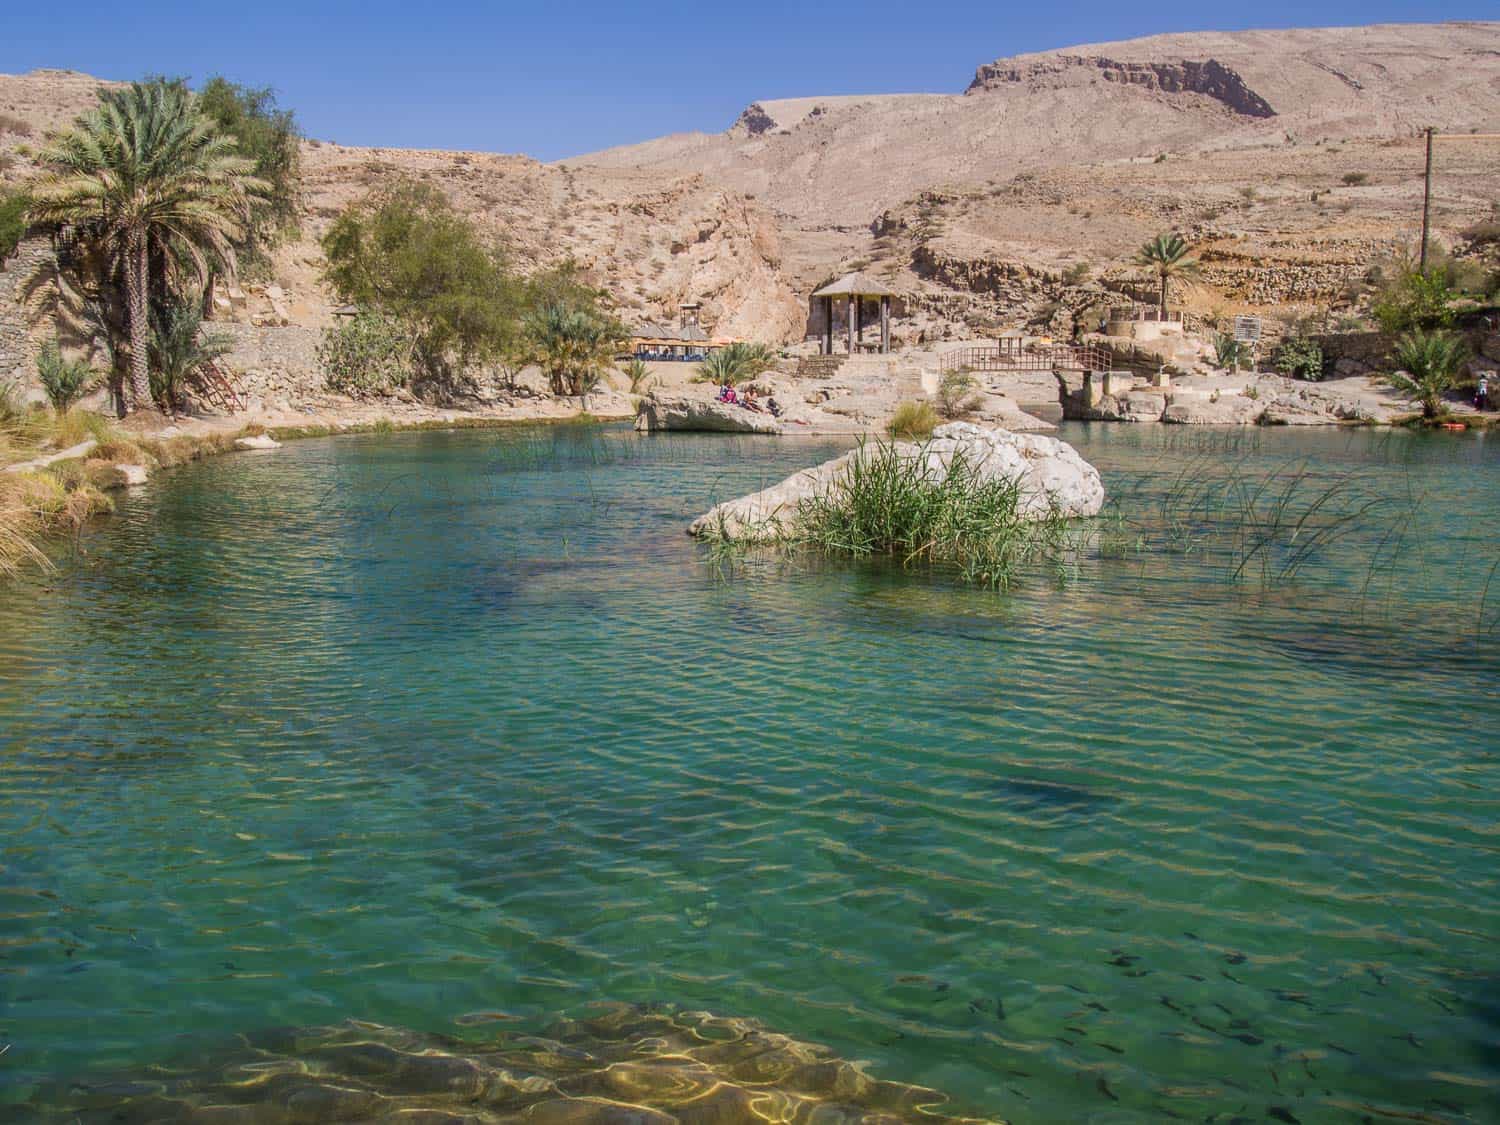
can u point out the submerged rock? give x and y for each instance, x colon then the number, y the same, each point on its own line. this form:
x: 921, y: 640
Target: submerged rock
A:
x: 623, y: 1064
x: 1051, y: 474
x: 659, y: 411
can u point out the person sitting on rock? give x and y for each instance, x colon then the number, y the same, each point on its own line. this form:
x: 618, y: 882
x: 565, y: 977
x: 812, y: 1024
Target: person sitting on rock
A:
x: 726, y: 394
x: 750, y: 402
x: 774, y: 407
x: 1482, y: 393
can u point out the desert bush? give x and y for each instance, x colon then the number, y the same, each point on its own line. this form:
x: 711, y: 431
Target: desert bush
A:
x: 1354, y: 179
x: 913, y: 420
x: 1077, y: 273
x: 1486, y: 233
x: 368, y: 354
x: 1299, y: 356
x: 957, y: 394
x: 64, y: 380
x: 1428, y: 365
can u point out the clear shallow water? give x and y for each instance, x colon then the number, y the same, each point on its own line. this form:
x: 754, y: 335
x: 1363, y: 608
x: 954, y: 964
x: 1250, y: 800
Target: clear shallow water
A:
x: 409, y: 727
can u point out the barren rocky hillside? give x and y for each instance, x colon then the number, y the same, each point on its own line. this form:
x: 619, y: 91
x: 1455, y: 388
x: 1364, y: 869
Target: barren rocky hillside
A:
x: 1292, y: 158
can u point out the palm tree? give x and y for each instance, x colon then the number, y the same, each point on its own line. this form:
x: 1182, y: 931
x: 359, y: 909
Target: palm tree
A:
x: 575, y: 347
x: 1169, y: 256
x: 180, y: 350
x: 1429, y: 363
x: 145, y: 174
x: 735, y: 364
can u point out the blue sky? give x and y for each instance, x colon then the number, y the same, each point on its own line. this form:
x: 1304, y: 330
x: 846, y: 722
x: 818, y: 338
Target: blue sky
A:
x: 561, y: 78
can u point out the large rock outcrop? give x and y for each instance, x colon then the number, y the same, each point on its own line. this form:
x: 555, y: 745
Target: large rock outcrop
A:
x: 662, y: 411
x: 1051, y: 474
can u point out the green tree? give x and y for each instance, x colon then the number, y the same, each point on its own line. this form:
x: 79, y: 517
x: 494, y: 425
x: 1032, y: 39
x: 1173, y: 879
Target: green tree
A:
x: 403, y: 251
x: 1229, y: 353
x: 1428, y: 365
x: 1169, y: 256
x: 574, y: 345
x: 266, y: 134
x: 638, y: 374
x: 179, y: 350
x: 64, y: 380
x: 1412, y: 299
x: 142, y: 174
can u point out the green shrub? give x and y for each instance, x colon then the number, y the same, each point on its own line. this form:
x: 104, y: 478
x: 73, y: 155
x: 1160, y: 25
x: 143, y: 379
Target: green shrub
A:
x: 179, y: 350
x: 1354, y: 179
x: 957, y: 394
x: 913, y: 420
x: 65, y: 380
x: 1299, y: 356
x: 1412, y: 299
x: 1076, y: 274
x: 268, y: 135
x: 13, y: 222
x: 368, y: 354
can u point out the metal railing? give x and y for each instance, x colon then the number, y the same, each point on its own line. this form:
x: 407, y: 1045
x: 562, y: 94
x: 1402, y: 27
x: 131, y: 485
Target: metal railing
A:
x: 1032, y: 357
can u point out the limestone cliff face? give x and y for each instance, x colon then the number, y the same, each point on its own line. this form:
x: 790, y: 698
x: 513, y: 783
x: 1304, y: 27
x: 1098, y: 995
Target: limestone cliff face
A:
x: 1207, y: 77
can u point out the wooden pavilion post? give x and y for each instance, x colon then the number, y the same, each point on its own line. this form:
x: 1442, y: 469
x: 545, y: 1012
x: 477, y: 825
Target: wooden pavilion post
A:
x: 885, y: 326
x: 850, y: 325
x: 859, y: 319
x: 827, y: 325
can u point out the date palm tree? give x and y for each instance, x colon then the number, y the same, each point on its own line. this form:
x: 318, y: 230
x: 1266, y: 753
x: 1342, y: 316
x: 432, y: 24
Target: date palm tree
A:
x: 1429, y: 363
x: 1169, y: 256
x: 574, y: 346
x: 144, y: 175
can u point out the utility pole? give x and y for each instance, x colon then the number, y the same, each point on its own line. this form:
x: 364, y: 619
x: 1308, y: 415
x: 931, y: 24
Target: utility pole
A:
x: 1426, y: 201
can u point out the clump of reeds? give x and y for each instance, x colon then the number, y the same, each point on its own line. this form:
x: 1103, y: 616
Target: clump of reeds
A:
x: 913, y: 420
x: 36, y: 507
x: 891, y: 503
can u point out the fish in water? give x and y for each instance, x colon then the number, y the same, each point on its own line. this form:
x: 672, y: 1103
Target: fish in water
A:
x: 1124, y: 960
x: 1282, y: 1114
x: 1247, y: 1039
x: 1103, y: 1087
x: 1030, y: 794
x: 1112, y: 1047
x: 1235, y: 958
x: 1098, y: 1007
x: 1340, y: 1050
x: 1189, y: 933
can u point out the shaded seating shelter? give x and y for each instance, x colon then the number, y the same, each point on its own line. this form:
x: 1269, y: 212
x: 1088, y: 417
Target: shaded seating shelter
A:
x: 855, y: 289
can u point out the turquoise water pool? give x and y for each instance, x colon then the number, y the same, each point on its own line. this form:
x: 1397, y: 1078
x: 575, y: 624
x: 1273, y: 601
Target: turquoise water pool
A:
x: 404, y: 728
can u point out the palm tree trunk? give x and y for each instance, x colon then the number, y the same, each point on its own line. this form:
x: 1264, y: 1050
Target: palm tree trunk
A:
x: 135, y: 294
x: 1163, y: 296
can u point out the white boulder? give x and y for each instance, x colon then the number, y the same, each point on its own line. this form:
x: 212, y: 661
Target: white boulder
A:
x: 257, y: 441
x: 658, y: 411
x: 1051, y: 474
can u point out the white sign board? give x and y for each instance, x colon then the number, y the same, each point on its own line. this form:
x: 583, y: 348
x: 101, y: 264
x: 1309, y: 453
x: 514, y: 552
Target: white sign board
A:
x: 1247, y: 329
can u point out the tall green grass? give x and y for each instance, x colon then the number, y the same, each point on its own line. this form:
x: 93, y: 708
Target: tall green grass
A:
x: 891, y: 504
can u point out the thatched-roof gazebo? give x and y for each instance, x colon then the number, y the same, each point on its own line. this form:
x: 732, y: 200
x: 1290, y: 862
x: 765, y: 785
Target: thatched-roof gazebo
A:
x: 856, y: 288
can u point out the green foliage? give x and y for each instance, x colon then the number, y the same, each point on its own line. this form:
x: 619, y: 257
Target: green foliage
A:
x: 574, y: 343
x: 267, y: 135
x: 366, y: 355
x: 404, y: 252
x: 738, y: 363
x: 1428, y: 365
x: 179, y: 349
x: 1168, y: 256
x: 13, y: 221
x: 1299, y: 356
x: 1412, y: 299
x: 957, y: 393
x: 913, y: 420
x: 65, y: 380
x: 1076, y: 274
x: 1354, y: 179
x: 1229, y: 353
x: 901, y: 507
x: 638, y: 374
x: 153, y: 192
